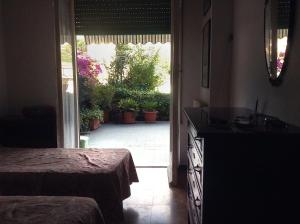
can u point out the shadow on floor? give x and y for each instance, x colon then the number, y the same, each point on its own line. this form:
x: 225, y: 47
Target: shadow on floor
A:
x: 153, y: 202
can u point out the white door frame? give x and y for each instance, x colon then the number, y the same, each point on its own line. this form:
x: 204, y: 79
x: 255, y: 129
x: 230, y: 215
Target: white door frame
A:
x: 176, y: 55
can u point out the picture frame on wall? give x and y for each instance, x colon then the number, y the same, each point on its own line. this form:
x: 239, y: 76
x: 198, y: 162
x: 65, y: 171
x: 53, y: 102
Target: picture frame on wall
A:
x: 206, y: 6
x: 206, y: 54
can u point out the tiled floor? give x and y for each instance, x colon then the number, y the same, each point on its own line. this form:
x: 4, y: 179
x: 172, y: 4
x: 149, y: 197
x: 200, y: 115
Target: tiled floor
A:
x: 149, y: 144
x: 153, y: 202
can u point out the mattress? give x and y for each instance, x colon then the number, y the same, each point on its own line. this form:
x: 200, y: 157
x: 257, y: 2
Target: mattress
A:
x: 102, y: 174
x: 49, y: 210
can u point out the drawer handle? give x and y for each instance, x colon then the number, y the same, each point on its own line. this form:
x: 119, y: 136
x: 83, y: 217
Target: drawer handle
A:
x: 198, y: 169
x: 197, y: 202
x: 194, y: 155
x: 198, y: 139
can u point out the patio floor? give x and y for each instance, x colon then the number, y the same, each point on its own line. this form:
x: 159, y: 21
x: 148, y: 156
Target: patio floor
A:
x: 148, y: 143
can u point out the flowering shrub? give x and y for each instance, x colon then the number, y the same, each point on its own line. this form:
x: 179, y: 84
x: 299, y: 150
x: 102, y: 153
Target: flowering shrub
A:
x: 88, y: 67
x: 88, y: 78
x: 280, y: 60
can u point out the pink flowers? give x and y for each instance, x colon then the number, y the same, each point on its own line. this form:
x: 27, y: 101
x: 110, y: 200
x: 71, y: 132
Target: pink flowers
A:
x: 280, y: 61
x: 88, y: 67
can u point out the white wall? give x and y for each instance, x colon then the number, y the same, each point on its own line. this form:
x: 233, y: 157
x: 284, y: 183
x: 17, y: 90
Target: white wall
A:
x: 250, y: 77
x: 3, y: 101
x: 221, y: 52
x: 191, y: 64
x: 30, y: 53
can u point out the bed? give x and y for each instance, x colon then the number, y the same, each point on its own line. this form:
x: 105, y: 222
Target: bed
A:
x: 49, y: 210
x: 102, y: 174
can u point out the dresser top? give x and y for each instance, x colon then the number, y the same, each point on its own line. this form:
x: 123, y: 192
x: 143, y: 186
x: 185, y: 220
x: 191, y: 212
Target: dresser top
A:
x: 208, y: 120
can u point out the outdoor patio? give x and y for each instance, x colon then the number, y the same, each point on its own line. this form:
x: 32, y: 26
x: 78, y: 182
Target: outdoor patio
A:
x: 148, y: 143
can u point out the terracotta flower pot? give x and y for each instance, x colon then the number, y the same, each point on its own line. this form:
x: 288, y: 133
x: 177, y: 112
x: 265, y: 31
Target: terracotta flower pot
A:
x: 128, y: 117
x: 94, y: 124
x: 150, y: 116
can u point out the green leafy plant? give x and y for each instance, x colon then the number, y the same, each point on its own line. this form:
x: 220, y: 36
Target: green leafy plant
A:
x: 95, y: 114
x: 84, y: 120
x: 102, y: 96
x: 142, y: 70
x: 162, y: 100
x: 135, y: 68
x: 86, y: 115
x: 118, y: 66
x: 128, y: 105
x: 149, y: 106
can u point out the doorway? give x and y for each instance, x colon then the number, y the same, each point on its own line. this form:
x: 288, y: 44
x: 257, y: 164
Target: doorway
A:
x: 119, y: 77
x: 88, y: 21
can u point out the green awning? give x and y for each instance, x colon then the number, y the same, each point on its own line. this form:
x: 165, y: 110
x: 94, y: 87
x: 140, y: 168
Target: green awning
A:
x: 284, y: 10
x: 122, y: 17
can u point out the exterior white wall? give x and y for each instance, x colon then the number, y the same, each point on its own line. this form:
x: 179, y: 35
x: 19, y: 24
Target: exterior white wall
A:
x: 250, y: 77
x: 29, y: 28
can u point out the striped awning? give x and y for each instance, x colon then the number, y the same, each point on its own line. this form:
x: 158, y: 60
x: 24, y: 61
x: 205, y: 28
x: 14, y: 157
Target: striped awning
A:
x: 284, y: 13
x: 125, y: 39
x: 116, y: 17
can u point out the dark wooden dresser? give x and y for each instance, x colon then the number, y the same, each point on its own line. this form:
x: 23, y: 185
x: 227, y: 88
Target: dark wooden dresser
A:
x: 243, y: 167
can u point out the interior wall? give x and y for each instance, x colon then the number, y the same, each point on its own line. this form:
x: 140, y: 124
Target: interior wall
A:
x: 29, y: 28
x: 250, y: 77
x: 221, y: 16
x: 221, y: 52
x: 3, y: 95
x: 191, y: 65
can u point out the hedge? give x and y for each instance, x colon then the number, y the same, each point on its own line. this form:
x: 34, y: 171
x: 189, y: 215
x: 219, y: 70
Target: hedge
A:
x: 162, y: 99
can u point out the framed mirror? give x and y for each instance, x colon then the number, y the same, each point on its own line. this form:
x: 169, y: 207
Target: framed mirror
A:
x: 279, y: 16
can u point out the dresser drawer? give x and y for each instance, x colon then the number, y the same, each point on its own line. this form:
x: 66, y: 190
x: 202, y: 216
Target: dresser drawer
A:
x: 197, y: 171
x: 195, y: 155
x: 198, y: 146
x: 195, y: 205
x: 193, y: 133
x: 195, y: 174
x: 193, y: 216
x: 194, y: 185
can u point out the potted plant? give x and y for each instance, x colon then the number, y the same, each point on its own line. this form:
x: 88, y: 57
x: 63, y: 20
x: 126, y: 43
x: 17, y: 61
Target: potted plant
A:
x: 84, y: 121
x: 102, y: 97
x: 150, y: 112
x: 90, y: 119
x: 95, y: 116
x: 129, y: 108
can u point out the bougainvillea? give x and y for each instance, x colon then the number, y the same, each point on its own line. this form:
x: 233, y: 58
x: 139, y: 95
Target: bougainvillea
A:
x: 280, y: 61
x: 88, y: 78
x: 88, y: 67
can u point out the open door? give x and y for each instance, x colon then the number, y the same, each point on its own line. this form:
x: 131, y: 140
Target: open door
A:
x: 67, y: 81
